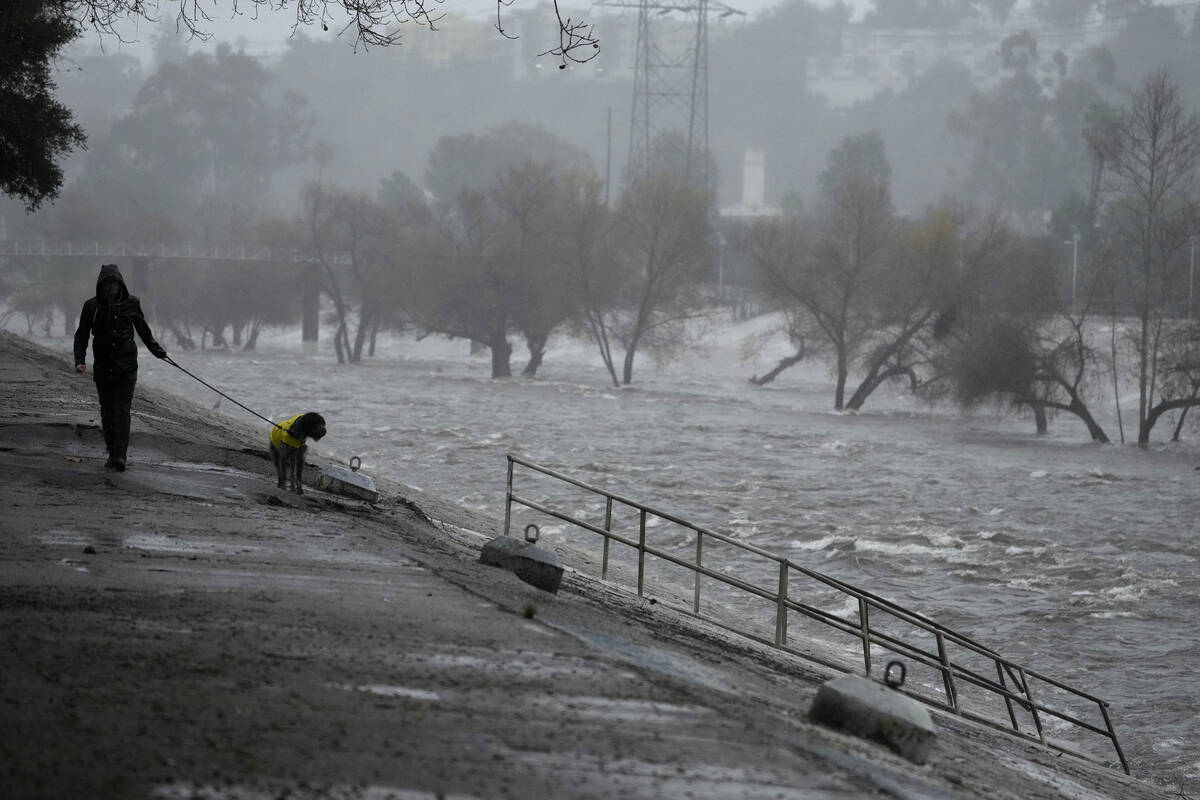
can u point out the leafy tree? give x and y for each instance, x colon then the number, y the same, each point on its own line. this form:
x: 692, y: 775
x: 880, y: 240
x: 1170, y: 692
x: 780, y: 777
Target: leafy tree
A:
x: 925, y: 153
x: 192, y: 159
x: 1016, y: 162
x: 497, y: 196
x: 526, y: 198
x: 398, y: 192
x: 1024, y: 344
x: 669, y: 156
x: 462, y: 290
x: 477, y: 161
x: 36, y: 131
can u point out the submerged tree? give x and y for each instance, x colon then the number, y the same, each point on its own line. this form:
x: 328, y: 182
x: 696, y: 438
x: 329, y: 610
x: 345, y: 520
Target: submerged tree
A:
x: 664, y: 241
x: 1023, y: 343
x: 831, y: 273
x: 1152, y: 215
x: 585, y: 227
x: 353, y: 237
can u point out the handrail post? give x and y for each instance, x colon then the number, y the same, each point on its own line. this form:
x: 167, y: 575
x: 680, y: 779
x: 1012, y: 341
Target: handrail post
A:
x: 781, y: 605
x: 1113, y: 735
x: 607, y: 541
x: 1012, y: 715
x: 1033, y: 708
x: 1021, y: 695
x: 864, y: 624
x: 947, y: 674
x: 641, y: 551
x: 508, y: 498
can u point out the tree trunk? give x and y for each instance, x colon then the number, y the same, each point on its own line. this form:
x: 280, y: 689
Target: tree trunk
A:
x: 1079, y: 409
x: 627, y: 367
x: 1183, y: 416
x: 783, y: 364
x: 182, y: 338
x: 600, y: 335
x: 1144, y: 424
x: 1039, y: 419
x: 252, y: 340
x: 501, y: 352
x: 839, y: 393
x: 360, y: 336
x: 1160, y: 409
x: 373, y: 337
x: 340, y: 342
x: 874, y: 380
x: 537, y: 347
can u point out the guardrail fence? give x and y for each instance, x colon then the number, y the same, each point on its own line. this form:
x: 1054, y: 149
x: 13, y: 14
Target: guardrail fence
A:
x: 950, y: 671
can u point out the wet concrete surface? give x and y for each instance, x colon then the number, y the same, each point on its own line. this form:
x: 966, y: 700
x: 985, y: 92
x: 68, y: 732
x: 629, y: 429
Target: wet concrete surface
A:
x: 184, y: 629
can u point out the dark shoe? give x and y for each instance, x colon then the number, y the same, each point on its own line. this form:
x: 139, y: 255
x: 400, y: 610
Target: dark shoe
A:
x: 118, y: 464
x: 111, y: 463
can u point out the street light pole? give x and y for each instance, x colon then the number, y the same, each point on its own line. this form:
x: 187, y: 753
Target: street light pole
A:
x: 720, y: 266
x: 1191, y: 271
x: 1074, y: 242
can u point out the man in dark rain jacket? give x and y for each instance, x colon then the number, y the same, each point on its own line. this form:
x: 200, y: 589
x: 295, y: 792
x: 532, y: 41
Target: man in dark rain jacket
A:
x: 110, y: 318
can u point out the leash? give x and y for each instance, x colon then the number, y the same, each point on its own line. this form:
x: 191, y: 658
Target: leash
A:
x: 171, y: 361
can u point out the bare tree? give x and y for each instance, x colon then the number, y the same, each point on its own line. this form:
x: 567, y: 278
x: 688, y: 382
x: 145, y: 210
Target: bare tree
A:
x: 831, y: 272
x: 1151, y: 217
x: 666, y: 243
x: 586, y: 230
x: 351, y: 236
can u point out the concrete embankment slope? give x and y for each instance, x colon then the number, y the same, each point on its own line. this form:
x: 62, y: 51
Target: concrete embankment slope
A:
x: 184, y: 629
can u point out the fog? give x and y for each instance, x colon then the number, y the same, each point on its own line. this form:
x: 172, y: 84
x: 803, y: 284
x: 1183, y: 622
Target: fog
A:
x: 408, y: 185
x: 788, y: 80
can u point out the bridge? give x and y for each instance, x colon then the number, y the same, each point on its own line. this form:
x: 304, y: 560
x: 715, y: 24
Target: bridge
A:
x: 156, y: 250
x: 141, y: 254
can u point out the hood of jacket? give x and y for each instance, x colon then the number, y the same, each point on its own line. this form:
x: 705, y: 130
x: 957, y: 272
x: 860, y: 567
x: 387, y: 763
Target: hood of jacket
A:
x: 111, y: 271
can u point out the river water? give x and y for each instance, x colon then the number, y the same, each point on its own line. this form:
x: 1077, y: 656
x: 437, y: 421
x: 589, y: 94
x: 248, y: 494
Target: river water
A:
x: 1076, y: 559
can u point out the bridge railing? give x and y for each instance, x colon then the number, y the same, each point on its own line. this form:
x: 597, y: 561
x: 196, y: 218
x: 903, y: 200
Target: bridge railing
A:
x: 181, y: 250
x: 952, y: 672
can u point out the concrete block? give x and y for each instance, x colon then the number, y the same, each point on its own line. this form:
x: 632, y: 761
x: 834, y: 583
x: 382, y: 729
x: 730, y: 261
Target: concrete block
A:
x: 535, y: 565
x: 339, y: 480
x: 870, y: 710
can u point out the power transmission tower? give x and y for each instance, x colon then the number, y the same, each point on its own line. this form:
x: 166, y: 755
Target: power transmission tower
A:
x: 670, y: 86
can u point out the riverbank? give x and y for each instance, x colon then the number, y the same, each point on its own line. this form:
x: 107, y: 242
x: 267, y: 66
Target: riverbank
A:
x: 184, y: 629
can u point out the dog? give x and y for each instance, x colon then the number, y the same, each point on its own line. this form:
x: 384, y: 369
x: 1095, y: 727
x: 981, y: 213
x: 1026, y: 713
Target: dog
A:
x: 288, y: 446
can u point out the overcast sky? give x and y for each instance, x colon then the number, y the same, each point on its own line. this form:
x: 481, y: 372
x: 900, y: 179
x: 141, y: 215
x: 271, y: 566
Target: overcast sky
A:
x: 264, y: 27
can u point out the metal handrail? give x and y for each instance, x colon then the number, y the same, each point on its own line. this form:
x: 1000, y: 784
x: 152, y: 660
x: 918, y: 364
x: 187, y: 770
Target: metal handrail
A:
x: 953, y: 674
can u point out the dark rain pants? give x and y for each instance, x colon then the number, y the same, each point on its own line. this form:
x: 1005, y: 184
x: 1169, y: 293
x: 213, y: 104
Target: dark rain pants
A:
x: 116, y: 396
